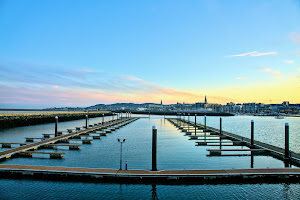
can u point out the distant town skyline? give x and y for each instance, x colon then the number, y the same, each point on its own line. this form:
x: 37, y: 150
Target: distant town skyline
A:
x: 63, y: 53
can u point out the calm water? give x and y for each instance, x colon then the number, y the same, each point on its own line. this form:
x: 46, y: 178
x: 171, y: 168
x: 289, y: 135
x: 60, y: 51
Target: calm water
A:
x: 175, y: 151
x: 27, y: 189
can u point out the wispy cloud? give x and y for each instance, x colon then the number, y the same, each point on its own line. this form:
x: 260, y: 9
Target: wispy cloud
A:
x: 276, y: 73
x: 240, y: 78
x: 289, y: 61
x: 295, y: 37
x: 254, y: 53
x: 267, y: 69
x: 50, y: 85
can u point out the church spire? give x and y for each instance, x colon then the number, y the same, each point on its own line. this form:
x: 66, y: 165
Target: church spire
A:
x: 205, y: 100
x: 160, y: 102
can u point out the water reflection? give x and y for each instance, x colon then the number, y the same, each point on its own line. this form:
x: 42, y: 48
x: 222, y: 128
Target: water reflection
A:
x: 153, y: 190
x: 252, y: 160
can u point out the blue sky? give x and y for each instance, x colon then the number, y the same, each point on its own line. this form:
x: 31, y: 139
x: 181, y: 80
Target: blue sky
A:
x: 79, y: 53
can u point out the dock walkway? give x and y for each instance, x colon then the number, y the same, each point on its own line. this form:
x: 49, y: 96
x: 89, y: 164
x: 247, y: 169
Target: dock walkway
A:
x: 183, y: 176
x: 276, y: 152
x: 33, y: 146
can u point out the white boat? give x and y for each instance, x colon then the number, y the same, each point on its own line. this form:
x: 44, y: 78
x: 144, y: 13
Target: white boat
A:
x: 279, y: 117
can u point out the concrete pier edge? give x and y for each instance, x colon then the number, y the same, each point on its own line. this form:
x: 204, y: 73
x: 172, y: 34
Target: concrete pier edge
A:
x: 222, y: 176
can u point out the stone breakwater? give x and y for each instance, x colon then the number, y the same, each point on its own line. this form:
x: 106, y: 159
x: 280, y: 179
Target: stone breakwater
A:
x: 10, y: 120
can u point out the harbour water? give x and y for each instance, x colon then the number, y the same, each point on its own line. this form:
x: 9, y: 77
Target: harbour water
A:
x: 175, y: 151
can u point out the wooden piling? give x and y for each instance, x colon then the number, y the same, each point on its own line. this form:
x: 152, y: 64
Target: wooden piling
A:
x: 56, y: 122
x: 287, y: 148
x: 154, y: 148
x: 252, y: 133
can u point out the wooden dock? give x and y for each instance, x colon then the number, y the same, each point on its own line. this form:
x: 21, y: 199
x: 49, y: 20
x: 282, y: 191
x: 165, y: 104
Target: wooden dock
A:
x: 206, y: 138
x: 239, y: 176
x: 62, y: 138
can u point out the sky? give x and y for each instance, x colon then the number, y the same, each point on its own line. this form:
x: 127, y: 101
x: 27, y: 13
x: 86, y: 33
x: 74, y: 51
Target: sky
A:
x: 81, y: 53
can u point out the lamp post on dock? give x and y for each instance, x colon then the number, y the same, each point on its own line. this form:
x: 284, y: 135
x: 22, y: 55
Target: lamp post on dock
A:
x: 56, y: 122
x: 121, y: 152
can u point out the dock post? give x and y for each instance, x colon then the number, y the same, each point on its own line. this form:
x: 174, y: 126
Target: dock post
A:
x: 220, y: 126
x: 56, y: 122
x: 102, y: 118
x: 252, y: 133
x: 180, y: 120
x: 188, y: 123
x: 113, y: 117
x: 205, y: 128
x: 287, y: 148
x: 195, y: 123
x: 154, y: 148
x: 86, y: 121
x: 149, y: 115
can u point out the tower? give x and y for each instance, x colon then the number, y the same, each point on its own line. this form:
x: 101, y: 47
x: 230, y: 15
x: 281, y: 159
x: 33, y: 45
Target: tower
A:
x: 205, y: 100
x: 160, y: 102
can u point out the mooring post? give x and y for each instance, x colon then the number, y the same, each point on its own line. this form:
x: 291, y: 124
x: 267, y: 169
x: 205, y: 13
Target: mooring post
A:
x: 113, y: 117
x: 252, y: 133
x: 195, y: 123
x: 220, y: 126
x: 102, y: 118
x: 154, y: 148
x: 149, y: 115
x: 287, y: 148
x: 205, y: 128
x: 188, y: 123
x: 56, y: 122
x: 86, y: 121
x: 179, y: 120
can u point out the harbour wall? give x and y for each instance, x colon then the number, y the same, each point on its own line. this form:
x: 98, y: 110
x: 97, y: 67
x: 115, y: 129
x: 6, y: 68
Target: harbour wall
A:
x: 26, y: 119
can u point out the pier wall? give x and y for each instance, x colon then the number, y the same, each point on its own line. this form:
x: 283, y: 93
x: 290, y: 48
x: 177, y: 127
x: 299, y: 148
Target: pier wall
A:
x: 26, y: 119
